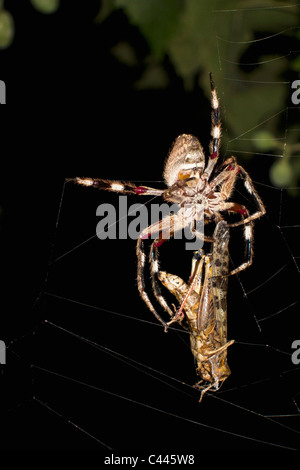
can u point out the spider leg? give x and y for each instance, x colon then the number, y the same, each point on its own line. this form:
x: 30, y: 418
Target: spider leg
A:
x: 248, y: 232
x: 154, y: 266
x: 247, y: 221
x: 141, y: 282
x: 165, y: 229
x: 248, y: 235
x: 228, y: 178
x: 195, y: 279
x: 215, y: 131
x: 117, y: 186
x: 261, y: 210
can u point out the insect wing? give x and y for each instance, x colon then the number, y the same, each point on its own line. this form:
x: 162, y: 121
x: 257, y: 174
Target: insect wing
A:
x: 220, y: 269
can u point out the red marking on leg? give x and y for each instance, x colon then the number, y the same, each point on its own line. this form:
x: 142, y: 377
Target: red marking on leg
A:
x: 213, y: 155
x: 140, y: 190
x: 243, y: 211
x: 239, y: 209
x: 158, y: 243
x: 233, y: 167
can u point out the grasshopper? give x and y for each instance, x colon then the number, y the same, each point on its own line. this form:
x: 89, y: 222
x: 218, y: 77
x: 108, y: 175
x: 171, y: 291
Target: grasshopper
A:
x: 204, y: 303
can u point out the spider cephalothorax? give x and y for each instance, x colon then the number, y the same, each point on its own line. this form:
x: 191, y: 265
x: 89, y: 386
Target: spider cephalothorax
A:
x: 201, y: 189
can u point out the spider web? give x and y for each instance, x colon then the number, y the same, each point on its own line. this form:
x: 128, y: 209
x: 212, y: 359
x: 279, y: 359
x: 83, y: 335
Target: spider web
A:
x: 97, y: 371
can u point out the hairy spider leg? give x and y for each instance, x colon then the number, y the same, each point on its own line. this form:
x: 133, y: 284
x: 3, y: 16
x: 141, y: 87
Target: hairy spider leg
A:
x: 248, y: 220
x: 141, y: 257
x: 226, y: 179
x: 261, y: 210
x: 154, y: 267
x: 214, y: 146
x: 166, y: 227
x: 122, y: 187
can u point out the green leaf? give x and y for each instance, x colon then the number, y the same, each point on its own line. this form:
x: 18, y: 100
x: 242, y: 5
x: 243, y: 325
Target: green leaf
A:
x: 253, y: 101
x: 46, y: 6
x: 264, y: 141
x: 106, y: 8
x: 157, y: 20
x: 154, y: 77
x: 281, y: 173
x: 7, y: 29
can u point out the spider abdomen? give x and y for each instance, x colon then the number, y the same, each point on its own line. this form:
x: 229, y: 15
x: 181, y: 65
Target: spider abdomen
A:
x: 186, y: 155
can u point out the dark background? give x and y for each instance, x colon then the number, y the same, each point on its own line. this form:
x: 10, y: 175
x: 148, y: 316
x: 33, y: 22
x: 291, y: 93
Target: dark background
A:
x: 73, y: 110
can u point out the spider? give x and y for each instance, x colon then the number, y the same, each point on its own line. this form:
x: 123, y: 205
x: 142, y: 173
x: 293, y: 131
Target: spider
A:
x: 201, y: 188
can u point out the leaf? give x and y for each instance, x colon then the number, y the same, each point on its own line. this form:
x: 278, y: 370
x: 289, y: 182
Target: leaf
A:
x: 241, y: 41
x: 281, y: 173
x: 106, y: 8
x: 154, y: 77
x: 157, y: 20
x: 251, y: 101
x: 46, y: 6
x: 194, y: 47
x: 7, y: 29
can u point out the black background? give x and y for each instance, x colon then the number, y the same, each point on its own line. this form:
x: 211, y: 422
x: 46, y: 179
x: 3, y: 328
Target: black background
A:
x: 72, y: 110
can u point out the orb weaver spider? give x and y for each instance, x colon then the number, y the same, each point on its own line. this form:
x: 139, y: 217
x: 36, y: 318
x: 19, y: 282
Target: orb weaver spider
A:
x: 201, y: 188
